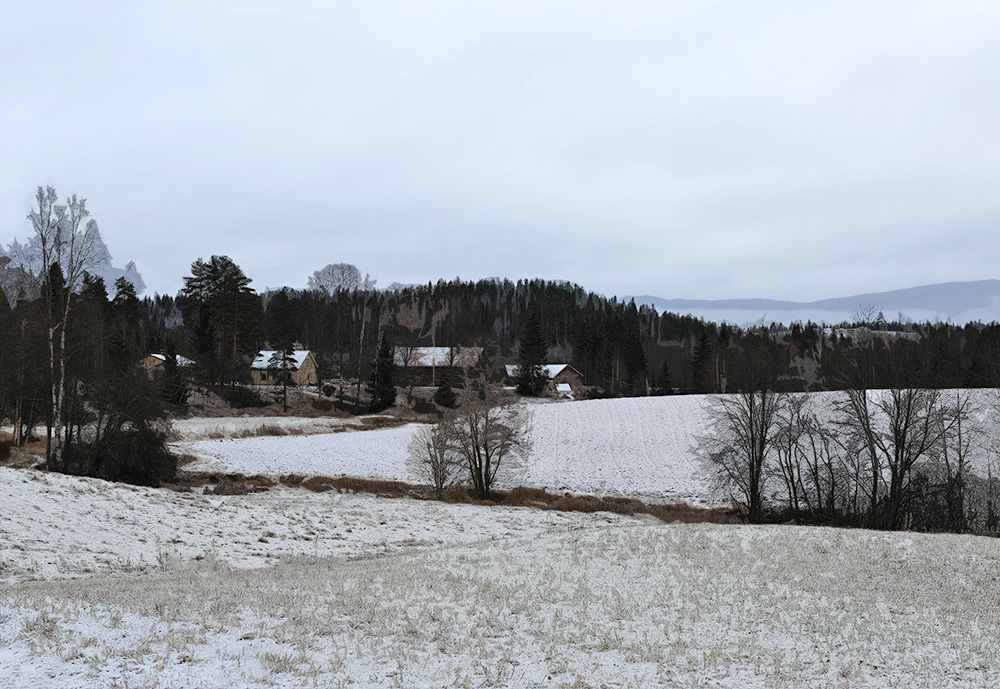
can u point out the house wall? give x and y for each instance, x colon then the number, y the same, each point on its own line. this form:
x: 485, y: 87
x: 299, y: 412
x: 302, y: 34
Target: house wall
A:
x: 568, y: 375
x: 307, y: 374
x: 153, y: 366
x: 429, y: 375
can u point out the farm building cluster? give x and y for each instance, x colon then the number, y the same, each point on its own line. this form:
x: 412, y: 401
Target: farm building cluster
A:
x: 414, y: 366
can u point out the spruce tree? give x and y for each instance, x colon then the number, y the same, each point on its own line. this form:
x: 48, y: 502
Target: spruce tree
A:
x: 532, y: 354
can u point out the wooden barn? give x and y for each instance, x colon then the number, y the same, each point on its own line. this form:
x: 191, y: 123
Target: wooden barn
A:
x: 303, y: 368
x: 559, y: 374
x: 432, y: 365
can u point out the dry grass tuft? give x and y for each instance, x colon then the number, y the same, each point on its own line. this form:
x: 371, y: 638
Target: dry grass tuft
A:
x: 390, y: 489
x: 541, y: 499
x: 186, y: 459
x: 292, y: 480
x: 268, y: 429
x: 378, y: 421
x: 240, y: 485
x: 318, y: 484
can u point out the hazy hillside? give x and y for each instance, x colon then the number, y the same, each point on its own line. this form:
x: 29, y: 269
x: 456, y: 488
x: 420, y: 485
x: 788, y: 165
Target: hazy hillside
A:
x: 959, y: 302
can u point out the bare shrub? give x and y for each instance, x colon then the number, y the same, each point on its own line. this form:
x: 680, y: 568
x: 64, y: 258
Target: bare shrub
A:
x: 487, y: 436
x: 431, y: 459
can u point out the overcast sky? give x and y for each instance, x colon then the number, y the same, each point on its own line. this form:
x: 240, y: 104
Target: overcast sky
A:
x: 681, y: 149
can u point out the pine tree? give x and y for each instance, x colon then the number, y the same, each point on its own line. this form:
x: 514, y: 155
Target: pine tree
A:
x: 532, y: 354
x: 282, y: 362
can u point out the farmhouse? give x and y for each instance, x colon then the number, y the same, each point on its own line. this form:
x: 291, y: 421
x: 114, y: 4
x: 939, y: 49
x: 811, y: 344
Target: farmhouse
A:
x: 156, y: 364
x: 432, y: 365
x: 559, y: 374
x: 263, y: 371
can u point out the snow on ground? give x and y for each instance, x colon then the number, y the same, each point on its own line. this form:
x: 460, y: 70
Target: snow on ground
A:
x: 641, y: 447
x: 56, y: 525
x: 520, y: 598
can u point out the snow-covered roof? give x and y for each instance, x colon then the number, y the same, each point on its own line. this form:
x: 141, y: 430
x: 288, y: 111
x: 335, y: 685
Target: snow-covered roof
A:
x: 181, y: 360
x: 264, y: 358
x: 551, y: 370
x: 463, y: 357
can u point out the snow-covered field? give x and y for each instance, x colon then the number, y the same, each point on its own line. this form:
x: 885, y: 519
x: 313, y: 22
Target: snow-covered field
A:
x: 65, y: 526
x: 635, y: 447
x: 146, y: 588
x: 107, y: 585
x: 639, y: 447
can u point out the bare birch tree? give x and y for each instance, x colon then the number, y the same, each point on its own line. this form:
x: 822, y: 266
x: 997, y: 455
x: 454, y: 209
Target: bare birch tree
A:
x: 66, y: 241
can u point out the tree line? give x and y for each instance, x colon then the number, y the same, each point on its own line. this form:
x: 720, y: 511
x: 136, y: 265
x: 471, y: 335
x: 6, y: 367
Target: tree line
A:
x: 884, y: 451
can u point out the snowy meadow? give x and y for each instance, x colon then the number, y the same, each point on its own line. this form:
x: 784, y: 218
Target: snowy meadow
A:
x: 109, y: 585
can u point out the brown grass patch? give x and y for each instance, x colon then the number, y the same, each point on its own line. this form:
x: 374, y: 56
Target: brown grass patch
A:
x: 292, y: 480
x: 186, y: 459
x: 522, y: 496
x: 377, y: 421
x: 390, y: 489
x: 677, y: 512
x: 241, y: 485
x: 318, y: 484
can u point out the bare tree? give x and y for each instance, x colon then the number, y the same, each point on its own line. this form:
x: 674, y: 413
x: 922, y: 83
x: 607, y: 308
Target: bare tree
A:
x: 67, y: 243
x: 340, y: 276
x: 487, y: 436
x: 789, y: 445
x: 961, y: 438
x: 743, y: 431
x: 823, y: 465
x: 431, y: 458
x: 744, y: 425
x: 895, y: 428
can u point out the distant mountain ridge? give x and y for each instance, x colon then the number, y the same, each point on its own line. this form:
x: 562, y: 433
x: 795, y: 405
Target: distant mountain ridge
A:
x: 958, y: 302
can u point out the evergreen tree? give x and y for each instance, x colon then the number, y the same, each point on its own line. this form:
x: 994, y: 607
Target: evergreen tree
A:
x: 664, y: 384
x: 383, y: 387
x: 701, y: 362
x: 218, y: 306
x: 532, y: 355
x: 445, y: 396
x: 281, y: 363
